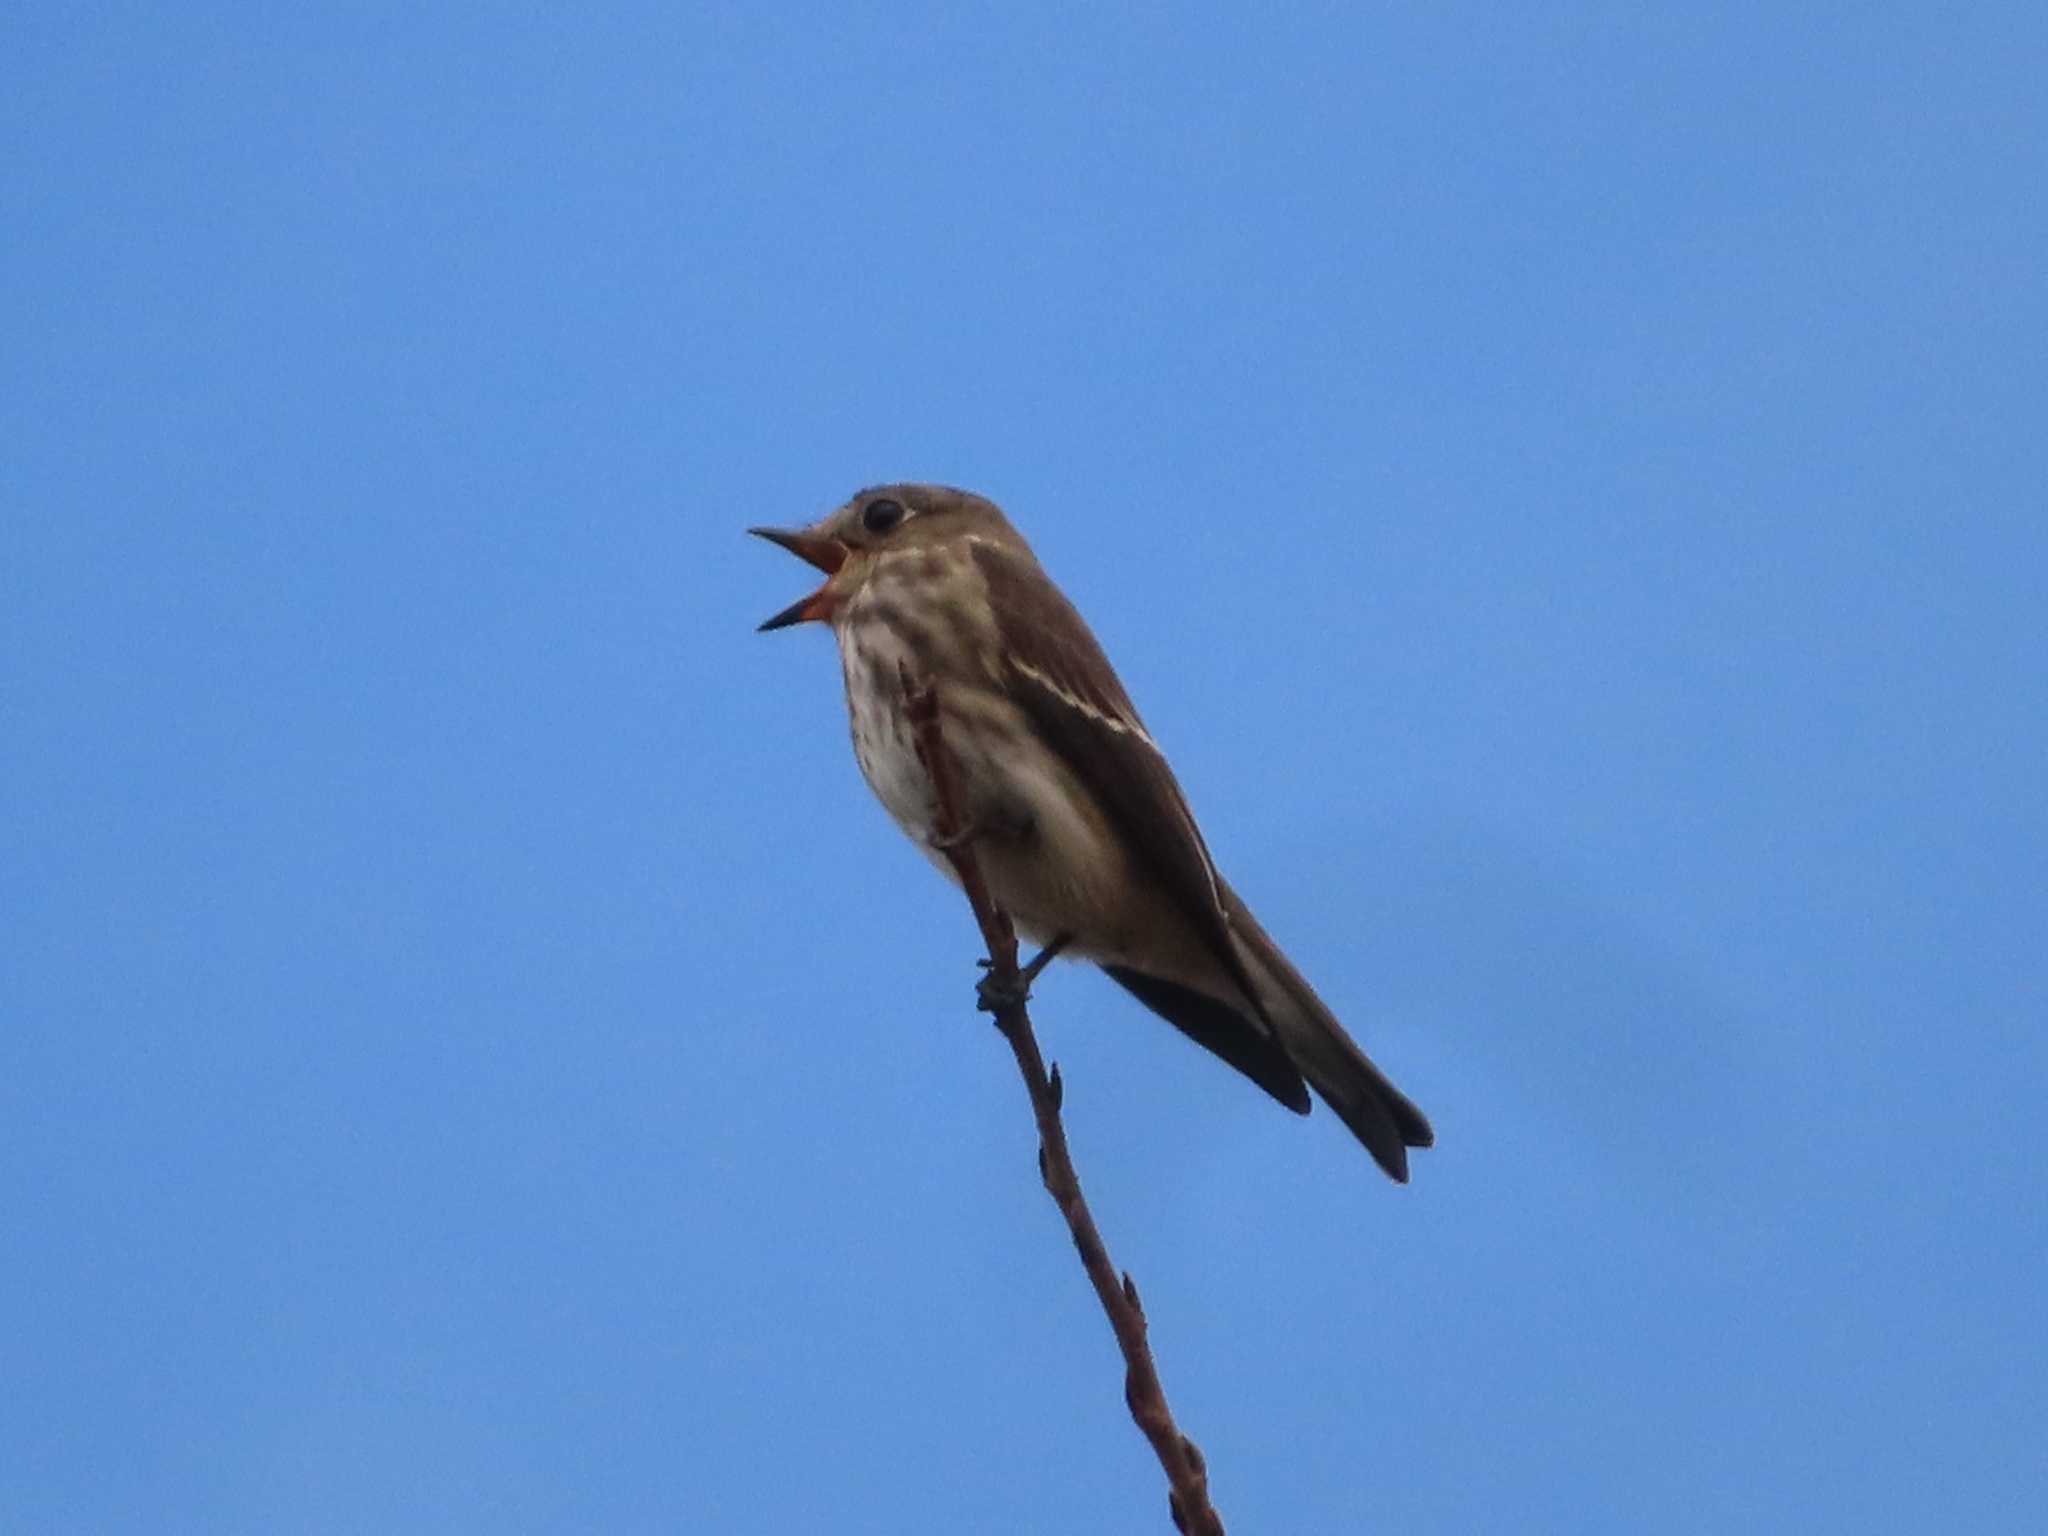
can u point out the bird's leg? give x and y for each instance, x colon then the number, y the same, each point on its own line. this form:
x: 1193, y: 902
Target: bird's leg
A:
x: 1044, y: 957
x: 993, y: 996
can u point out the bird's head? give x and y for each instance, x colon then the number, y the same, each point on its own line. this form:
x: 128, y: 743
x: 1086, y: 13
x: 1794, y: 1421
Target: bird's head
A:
x: 879, y: 523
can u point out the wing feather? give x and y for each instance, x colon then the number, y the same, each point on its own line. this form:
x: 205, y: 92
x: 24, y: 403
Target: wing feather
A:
x: 1058, y: 672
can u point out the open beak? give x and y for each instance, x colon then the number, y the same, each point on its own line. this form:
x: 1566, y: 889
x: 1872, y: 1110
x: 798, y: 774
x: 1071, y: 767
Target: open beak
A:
x: 826, y: 554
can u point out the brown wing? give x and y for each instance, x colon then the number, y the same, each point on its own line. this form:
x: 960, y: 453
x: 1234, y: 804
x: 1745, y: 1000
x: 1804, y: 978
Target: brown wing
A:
x: 1058, y: 672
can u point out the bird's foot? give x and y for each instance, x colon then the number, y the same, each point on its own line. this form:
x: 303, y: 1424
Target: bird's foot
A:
x: 992, y: 994
x: 995, y: 993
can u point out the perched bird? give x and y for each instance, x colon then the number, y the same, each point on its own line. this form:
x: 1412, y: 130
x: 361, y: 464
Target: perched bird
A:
x: 1080, y: 828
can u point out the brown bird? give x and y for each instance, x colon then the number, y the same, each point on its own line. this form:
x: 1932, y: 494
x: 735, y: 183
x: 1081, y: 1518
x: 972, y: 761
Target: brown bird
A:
x: 1080, y: 828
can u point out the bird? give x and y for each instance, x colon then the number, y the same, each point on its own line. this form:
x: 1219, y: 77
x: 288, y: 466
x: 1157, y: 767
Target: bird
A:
x: 1083, y: 834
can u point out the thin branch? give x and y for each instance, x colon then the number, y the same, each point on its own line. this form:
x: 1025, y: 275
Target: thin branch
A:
x: 1005, y: 992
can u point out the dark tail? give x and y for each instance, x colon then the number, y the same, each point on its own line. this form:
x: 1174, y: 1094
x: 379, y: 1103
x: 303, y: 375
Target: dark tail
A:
x: 1225, y: 1028
x: 1343, y: 1076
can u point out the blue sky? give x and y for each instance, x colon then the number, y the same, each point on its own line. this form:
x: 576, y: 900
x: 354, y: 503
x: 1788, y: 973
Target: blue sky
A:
x: 1566, y: 488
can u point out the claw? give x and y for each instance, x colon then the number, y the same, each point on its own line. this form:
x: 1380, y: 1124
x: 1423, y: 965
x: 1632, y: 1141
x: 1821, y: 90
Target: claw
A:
x: 992, y: 994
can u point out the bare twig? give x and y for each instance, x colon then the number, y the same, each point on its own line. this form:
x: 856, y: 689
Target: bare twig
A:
x: 1005, y: 992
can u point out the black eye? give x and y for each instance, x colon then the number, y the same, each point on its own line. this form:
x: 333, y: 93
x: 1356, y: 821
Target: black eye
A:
x: 881, y: 514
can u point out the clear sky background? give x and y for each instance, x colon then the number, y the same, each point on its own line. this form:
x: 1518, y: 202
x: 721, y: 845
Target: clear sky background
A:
x: 1570, y: 491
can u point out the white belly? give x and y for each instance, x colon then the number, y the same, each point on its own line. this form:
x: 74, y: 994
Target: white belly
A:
x: 882, y: 740
x: 1045, y: 847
